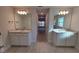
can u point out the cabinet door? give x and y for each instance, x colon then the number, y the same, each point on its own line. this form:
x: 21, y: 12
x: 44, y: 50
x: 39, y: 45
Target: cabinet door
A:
x: 70, y: 41
x: 14, y: 40
x: 19, y: 39
x: 60, y: 40
x: 23, y: 40
x: 54, y: 36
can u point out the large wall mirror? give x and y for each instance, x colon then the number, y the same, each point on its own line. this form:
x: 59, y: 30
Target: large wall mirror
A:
x: 63, y: 20
x: 59, y: 21
x: 23, y: 20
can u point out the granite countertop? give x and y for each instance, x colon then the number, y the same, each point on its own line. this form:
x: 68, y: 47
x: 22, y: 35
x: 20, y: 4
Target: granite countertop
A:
x: 62, y: 31
x: 20, y: 31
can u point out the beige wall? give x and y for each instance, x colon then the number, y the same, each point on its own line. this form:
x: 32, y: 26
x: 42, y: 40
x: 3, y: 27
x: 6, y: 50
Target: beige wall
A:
x: 34, y: 25
x: 6, y: 14
x: 75, y: 19
x: 50, y: 23
x: 51, y: 17
x: 75, y: 23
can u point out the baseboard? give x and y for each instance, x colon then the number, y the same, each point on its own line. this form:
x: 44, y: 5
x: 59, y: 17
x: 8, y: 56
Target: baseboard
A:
x: 66, y: 46
x: 19, y: 46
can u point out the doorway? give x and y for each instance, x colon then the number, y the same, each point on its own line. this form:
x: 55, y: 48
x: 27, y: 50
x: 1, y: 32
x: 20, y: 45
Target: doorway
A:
x: 41, y: 37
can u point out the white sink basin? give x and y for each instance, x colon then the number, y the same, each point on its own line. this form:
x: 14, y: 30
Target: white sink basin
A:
x: 59, y: 30
x: 65, y: 32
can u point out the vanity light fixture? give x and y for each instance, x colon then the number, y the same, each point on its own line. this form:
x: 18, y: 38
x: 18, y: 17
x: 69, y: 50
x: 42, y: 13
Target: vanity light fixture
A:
x: 63, y: 12
x: 22, y: 12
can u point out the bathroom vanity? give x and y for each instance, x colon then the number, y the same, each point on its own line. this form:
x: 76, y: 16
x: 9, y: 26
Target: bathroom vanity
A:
x: 22, y: 32
x: 20, y: 37
x: 62, y: 37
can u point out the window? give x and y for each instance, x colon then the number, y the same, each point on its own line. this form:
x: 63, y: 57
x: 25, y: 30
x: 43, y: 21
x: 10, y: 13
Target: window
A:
x: 61, y: 21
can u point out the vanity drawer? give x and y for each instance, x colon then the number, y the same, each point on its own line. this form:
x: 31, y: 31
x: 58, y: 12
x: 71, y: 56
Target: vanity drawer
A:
x: 19, y: 39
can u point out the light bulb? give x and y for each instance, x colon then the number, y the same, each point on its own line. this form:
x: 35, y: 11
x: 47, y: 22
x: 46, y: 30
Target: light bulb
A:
x: 18, y: 12
x: 67, y: 12
x: 59, y: 13
x: 64, y: 12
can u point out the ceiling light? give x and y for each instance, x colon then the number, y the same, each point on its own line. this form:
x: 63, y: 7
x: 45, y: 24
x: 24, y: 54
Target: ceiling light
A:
x: 22, y: 12
x: 63, y: 12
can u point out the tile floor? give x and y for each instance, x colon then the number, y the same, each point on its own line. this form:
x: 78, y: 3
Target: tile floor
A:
x: 41, y: 37
x: 41, y: 47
